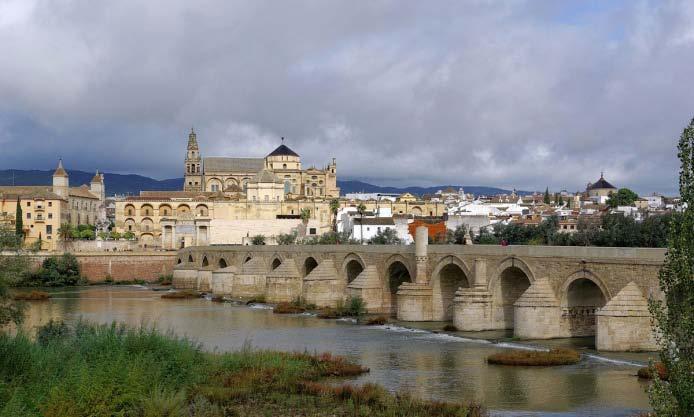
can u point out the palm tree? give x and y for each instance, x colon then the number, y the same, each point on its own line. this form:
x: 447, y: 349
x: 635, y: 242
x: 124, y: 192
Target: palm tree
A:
x: 334, y: 207
x: 65, y: 231
x: 361, y: 209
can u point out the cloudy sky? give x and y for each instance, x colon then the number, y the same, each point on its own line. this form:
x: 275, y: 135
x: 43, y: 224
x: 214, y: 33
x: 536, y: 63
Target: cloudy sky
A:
x: 514, y: 93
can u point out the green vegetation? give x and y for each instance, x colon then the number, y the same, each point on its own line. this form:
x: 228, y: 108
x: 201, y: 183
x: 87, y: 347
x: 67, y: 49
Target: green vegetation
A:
x: 675, y: 316
x: 19, y: 222
x: 115, y: 235
x: 165, y: 279
x: 287, y: 238
x: 623, y: 197
x: 386, y: 236
x: 55, y: 271
x: 331, y: 238
x: 128, y: 235
x: 450, y: 328
x: 354, y: 307
x: 554, y: 357
x: 89, y: 370
x: 546, y: 198
x: 334, y: 207
x: 82, y: 231
x: 288, y: 308
x: 258, y: 240
x: 13, y: 267
x: 614, y: 230
x: 649, y: 372
x: 361, y: 210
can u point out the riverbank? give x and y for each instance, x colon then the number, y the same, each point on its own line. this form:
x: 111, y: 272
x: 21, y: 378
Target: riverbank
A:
x: 88, y: 369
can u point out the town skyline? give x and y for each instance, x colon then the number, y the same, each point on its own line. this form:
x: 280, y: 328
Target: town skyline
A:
x: 400, y: 94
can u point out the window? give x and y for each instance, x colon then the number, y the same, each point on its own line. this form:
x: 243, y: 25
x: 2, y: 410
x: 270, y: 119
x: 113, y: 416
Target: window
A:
x: 312, y: 231
x: 28, y: 215
x: 267, y: 198
x: 50, y: 216
x: 284, y: 166
x: 28, y: 203
x: 49, y: 229
x: 50, y: 204
x: 215, y: 187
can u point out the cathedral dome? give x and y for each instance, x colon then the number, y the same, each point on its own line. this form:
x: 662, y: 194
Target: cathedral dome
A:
x: 283, y: 150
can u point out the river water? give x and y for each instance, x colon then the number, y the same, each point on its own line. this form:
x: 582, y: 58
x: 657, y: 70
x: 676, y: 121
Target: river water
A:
x: 426, y: 364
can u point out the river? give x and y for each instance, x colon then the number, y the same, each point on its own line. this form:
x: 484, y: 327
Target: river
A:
x: 426, y: 364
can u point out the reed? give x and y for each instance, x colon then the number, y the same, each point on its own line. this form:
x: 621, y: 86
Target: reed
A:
x: 553, y: 357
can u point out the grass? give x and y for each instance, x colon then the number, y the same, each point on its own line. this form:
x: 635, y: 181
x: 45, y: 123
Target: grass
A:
x: 31, y: 296
x: 554, y: 357
x: 660, y: 371
x: 180, y: 295
x: 113, y: 370
x: 288, y: 308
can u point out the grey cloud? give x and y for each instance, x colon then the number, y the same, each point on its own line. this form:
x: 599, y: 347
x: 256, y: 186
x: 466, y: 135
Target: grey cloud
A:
x: 516, y: 94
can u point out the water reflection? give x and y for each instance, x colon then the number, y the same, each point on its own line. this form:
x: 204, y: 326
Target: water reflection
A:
x: 424, y: 364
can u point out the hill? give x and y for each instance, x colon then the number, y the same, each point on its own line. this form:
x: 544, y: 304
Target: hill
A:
x: 115, y: 183
x: 130, y: 184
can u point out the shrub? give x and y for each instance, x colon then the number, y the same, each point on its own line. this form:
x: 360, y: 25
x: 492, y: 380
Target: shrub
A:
x: 180, y: 295
x: 57, y: 271
x: 377, y: 321
x: 31, y: 296
x: 647, y: 373
x: 559, y: 356
x: 355, y: 307
x: 450, y: 328
x: 165, y: 279
x: 288, y: 308
x: 258, y: 240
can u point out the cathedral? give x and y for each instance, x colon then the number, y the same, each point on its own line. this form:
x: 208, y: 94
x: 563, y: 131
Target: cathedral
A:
x: 281, y: 168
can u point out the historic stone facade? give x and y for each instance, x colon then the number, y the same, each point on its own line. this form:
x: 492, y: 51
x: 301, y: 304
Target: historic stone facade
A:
x: 231, y: 175
x: 539, y: 291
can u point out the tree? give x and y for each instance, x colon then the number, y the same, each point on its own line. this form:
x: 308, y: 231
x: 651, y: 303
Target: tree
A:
x: 457, y: 236
x: 128, y: 235
x: 19, y: 222
x: 13, y: 268
x: 361, y: 209
x: 560, y: 200
x: 87, y: 234
x: 65, y: 231
x: 305, y: 215
x: 286, y: 238
x: 258, y: 240
x: 546, y: 199
x: 387, y: 236
x: 334, y: 207
x: 623, y: 197
x: 675, y: 317
x: 115, y: 235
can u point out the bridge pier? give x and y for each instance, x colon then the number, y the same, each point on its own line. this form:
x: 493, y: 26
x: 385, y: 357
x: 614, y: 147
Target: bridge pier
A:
x: 473, y: 306
x: 283, y: 285
x: 537, y: 312
x: 624, y: 323
x: 204, y: 279
x: 367, y: 285
x: 251, y: 280
x: 223, y: 280
x: 323, y: 286
x: 414, y: 299
x: 185, y: 277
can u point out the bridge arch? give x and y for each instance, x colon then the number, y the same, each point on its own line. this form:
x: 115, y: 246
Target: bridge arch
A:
x: 581, y: 295
x: 449, y: 274
x: 191, y: 259
x: 205, y: 262
x: 352, y: 266
x: 276, y: 262
x: 510, y: 280
x: 222, y: 263
x: 310, y: 263
x: 397, y: 271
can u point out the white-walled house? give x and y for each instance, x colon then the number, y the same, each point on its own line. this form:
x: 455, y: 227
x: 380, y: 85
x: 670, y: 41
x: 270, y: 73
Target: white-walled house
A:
x: 370, y: 226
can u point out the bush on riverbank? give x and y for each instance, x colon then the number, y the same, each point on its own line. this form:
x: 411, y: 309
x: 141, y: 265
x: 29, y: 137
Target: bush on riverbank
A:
x: 55, y: 271
x: 554, y: 357
x: 180, y: 295
x: 377, y: 321
x: 659, y: 369
x: 31, y: 296
x: 115, y: 370
x: 288, y: 308
x: 355, y: 307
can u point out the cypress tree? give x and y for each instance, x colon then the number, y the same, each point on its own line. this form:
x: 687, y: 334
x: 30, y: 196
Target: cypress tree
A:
x: 19, y: 222
x: 675, y: 316
x: 546, y: 199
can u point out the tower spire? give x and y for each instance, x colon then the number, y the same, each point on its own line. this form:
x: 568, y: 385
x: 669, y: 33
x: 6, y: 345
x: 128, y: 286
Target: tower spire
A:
x: 192, y: 140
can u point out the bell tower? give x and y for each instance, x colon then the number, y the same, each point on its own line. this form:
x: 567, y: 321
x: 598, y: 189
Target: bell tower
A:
x: 192, y: 180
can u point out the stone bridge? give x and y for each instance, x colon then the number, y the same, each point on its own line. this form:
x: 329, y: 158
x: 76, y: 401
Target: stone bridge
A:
x: 538, y: 291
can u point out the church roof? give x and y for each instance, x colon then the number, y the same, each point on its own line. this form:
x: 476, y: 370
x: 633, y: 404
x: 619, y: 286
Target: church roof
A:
x: 60, y: 171
x: 220, y: 164
x: 283, y: 150
x: 601, y: 184
x: 81, y: 191
x: 28, y: 192
x: 266, y: 176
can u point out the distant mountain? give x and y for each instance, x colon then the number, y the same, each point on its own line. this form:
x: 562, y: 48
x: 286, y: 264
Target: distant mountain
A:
x: 132, y: 184
x: 359, y: 186
x: 115, y: 183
